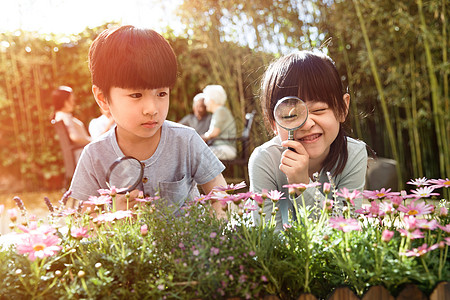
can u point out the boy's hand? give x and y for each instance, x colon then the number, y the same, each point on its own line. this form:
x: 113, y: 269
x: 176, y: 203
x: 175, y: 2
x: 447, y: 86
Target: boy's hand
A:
x: 295, y: 164
x: 121, y: 200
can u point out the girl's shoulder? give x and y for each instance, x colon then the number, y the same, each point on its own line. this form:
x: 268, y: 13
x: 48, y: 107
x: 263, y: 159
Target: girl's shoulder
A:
x: 354, y: 145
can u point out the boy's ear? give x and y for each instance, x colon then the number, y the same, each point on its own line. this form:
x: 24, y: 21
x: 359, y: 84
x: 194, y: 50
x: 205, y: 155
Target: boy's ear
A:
x: 100, y: 98
x: 347, y: 104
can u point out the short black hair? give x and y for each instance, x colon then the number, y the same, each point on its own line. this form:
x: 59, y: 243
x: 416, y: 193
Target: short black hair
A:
x: 128, y: 57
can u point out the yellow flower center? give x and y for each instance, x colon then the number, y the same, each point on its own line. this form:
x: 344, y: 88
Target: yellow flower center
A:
x: 381, y: 195
x: 447, y: 182
x: 413, y: 212
x: 38, y: 247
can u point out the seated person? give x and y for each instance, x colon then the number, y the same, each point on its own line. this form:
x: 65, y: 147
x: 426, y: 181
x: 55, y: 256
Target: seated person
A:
x: 222, y: 124
x: 200, y: 118
x: 133, y: 84
x: 64, y: 104
x: 100, y: 125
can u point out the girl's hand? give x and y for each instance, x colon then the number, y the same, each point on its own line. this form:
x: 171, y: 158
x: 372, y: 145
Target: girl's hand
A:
x: 121, y: 200
x: 295, y: 164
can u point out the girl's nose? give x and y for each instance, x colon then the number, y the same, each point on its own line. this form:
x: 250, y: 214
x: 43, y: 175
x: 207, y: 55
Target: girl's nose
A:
x: 309, y: 123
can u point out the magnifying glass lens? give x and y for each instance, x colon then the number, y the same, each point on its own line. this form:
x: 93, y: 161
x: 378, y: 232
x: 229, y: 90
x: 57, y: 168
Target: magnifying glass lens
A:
x: 290, y: 113
x: 125, y: 173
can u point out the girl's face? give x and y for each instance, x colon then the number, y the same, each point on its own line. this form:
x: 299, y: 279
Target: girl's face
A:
x: 319, y: 131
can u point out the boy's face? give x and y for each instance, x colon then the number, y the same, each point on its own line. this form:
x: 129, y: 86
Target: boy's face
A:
x: 139, y: 114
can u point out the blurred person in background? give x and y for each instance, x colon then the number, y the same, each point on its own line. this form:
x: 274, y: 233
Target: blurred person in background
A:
x: 200, y: 119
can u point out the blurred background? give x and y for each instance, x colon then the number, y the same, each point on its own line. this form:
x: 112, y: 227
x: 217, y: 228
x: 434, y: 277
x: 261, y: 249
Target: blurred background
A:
x: 392, y: 55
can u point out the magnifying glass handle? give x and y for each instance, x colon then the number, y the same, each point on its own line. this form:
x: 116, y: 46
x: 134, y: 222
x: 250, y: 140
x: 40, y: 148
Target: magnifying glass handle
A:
x: 291, y: 138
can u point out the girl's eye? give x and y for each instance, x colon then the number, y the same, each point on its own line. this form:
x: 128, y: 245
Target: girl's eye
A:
x: 136, y: 95
x: 319, y: 110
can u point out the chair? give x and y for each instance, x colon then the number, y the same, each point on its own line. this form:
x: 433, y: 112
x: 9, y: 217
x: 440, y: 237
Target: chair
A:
x: 242, y: 145
x: 67, y: 148
x: 381, y: 173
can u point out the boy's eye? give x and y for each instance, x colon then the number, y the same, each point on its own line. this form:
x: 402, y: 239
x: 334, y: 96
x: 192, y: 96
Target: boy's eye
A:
x: 162, y: 94
x: 136, y: 95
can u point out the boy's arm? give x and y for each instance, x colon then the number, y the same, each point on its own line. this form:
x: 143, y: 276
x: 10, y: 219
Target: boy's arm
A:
x: 208, y: 187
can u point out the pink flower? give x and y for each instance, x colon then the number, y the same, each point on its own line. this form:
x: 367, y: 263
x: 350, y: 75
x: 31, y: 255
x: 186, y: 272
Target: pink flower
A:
x: 379, y: 194
x: 445, y: 228
x: 98, y: 201
x: 425, y: 224
x: 195, y: 252
x: 438, y: 183
x: 447, y: 241
x: 301, y: 187
x: 410, y: 223
x: 326, y: 188
x: 416, y: 209
x: 345, y: 193
x: 416, y: 234
x: 215, y: 251
x: 259, y: 199
x: 420, y: 251
x: 203, y: 198
x: 231, y: 188
x: 38, y: 245
x: 34, y: 229
x: 345, y: 225
x: 249, y: 206
x: 275, y: 195
x: 419, y: 182
x: 396, y: 201
x: 79, y: 233
x: 387, y: 207
x: 109, y: 217
x: 213, y: 235
x: 144, y: 230
x: 424, y: 192
x: 13, y: 214
x: 387, y: 235
x: 443, y: 212
x: 111, y: 192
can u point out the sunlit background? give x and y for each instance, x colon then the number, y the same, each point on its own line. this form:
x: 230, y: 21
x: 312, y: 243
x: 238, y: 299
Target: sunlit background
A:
x: 73, y: 16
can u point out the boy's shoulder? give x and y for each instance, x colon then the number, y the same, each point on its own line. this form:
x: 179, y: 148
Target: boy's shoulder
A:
x: 177, y: 128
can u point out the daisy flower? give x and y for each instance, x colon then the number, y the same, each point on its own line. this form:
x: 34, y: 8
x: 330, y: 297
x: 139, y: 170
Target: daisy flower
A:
x: 301, y: 187
x: 419, y: 182
x: 424, y: 192
x: 425, y: 224
x: 445, y: 228
x: 259, y: 199
x: 111, y: 192
x: 416, y: 234
x: 345, y: 193
x: 231, y: 188
x: 439, y: 183
x: 79, y: 233
x: 275, y: 195
x: 417, y: 252
x: 379, y: 194
x: 343, y: 224
x: 38, y: 245
x: 98, y: 201
x: 416, y: 209
x: 387, y: 235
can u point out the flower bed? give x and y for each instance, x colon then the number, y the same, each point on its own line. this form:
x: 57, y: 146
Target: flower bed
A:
x: 396, y: 240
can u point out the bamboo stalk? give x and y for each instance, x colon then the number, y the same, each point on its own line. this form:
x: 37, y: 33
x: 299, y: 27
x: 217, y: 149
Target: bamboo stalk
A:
x: 383, y: 103
x: 416, y: 147
x: 442, y: 141
x: 354, y: 107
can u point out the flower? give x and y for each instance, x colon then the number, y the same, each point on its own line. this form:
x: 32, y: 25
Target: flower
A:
x: 79, y: 233
x: 419, y: 182
x: 418, y: 209
x: 144, y: 230
x: 275, y: 195
x: 215, y: 251
x: 13, y: 214
x: 98, y: 201
x: 420, y: 251
x: 213, y: 235
x: 111, y: 192
x: 34, y: 229
x: 343, y: 224
x: 438, y: 183
x: 443, y: 212
x: 326, y: 188
x: 231, y: 188
x: 38, y: 245
x: 387, y: 235
x: 259, y: 199
x: 424, y: 192
x: 345, y: 193
x: 425, y: 224
x: 379, y: 194
x: 445, y: 228
x: 416, y: 234
x: 109, y: 217
x: 300, y: 187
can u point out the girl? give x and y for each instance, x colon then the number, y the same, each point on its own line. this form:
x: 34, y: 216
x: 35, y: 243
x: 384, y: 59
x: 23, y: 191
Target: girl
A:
x: 320, y: 145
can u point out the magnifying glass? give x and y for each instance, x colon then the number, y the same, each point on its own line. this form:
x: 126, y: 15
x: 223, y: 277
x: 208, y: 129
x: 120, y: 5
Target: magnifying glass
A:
x: 125, y: 173
x: 290, y: 113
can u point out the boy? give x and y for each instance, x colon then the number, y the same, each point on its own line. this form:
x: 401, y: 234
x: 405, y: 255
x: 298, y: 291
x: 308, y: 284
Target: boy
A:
x: 132, y: 72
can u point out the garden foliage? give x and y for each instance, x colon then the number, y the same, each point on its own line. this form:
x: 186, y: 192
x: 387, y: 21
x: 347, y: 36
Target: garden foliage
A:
x: 153, y: 252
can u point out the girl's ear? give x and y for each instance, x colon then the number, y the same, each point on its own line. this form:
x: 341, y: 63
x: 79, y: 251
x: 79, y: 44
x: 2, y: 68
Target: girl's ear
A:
x: 347, y: 105
x: 100, y: 98
x: 274, y: 128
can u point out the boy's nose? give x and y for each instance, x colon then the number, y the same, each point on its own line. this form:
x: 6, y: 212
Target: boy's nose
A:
x: 149, y: 108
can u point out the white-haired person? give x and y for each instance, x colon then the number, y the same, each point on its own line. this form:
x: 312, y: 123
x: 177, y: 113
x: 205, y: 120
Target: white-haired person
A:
x: 223, y: 125
x: 200, y: 119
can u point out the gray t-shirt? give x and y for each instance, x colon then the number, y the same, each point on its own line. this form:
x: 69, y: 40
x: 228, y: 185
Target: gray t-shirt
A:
x: 181, y: 161
x: 224, y: 120
x: 264, y: 173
